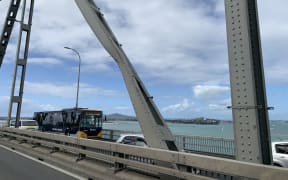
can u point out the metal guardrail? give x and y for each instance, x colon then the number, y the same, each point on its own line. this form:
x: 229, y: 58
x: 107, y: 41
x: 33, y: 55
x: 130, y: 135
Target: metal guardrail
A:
x: 191, y: 166
x: 3, y: 123
x: 205, y: 145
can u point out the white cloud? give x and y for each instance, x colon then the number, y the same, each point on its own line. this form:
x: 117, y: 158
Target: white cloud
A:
x: 4, y: 102
x: 184, y: 42
x: 182, y: 57
x: 182, y: 106
x: 210, y: 91
x: 216, y: 107
x: 122, y: 107
x: 220, y: 105
x: 145, y: 33
x: 49, y: 107
x: 67, y: 91
x: 128, y: 110
x: 278, y: 72
x: 274, y: 37
x: 28, y: 107
x: 45, y: 61
x: 179, y: 42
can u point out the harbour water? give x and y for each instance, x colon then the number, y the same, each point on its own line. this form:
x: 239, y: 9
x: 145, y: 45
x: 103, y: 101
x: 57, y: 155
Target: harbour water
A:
x: 278, y: 129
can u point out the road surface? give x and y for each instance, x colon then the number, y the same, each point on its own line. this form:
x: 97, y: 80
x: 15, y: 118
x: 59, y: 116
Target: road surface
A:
x: 16, y: 166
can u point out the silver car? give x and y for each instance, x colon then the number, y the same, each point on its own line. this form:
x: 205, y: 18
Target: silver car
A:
x: 132, y: 139
x: 280, y: 153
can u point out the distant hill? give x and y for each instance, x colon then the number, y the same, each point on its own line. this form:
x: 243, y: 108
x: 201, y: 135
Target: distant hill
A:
x: 200, y: 120
x: 119, y: 117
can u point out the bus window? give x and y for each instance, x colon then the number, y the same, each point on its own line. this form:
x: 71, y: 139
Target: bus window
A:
x: 99, y: 122
x: 87, y: 121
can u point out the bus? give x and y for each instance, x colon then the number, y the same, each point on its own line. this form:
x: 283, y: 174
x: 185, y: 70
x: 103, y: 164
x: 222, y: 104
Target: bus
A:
x: 83, y: 122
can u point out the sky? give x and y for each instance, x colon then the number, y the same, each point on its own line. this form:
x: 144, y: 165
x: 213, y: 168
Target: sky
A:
x: 178, y: 48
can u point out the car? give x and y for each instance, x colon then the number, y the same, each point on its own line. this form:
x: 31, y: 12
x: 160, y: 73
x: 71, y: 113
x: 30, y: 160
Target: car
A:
x: 132, y: 139
x: 280, y: 153
x: 28, y: 124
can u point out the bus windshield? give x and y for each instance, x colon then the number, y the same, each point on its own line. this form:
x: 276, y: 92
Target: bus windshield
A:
x: 87, y: 121
x: 90, y: 121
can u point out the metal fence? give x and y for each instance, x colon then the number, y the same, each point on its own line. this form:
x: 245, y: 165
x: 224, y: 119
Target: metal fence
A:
x: 203, y: 145
x: 206, y: 144
x: 3, y: 123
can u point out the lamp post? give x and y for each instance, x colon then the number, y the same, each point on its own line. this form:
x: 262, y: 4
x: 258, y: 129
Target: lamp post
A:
x: 75, y: 51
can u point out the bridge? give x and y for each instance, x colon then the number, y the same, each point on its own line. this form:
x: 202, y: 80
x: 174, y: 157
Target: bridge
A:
x: 95, y: 159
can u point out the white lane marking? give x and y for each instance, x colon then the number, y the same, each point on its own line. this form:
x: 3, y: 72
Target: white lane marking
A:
x: 46, y: 164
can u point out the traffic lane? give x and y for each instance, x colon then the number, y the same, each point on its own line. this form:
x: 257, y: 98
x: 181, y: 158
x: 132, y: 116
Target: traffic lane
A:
x: 14, y: 167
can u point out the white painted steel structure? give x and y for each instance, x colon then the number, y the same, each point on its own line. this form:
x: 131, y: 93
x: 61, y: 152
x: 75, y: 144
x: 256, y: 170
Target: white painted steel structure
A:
x: 249, y: 106
x: 8, y: 27
x: 153, y: 126
x: 21, y: 55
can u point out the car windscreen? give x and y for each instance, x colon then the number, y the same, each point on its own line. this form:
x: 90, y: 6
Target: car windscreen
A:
x: 282, y: 148
x: 29, y: 123
x: 134, y: 140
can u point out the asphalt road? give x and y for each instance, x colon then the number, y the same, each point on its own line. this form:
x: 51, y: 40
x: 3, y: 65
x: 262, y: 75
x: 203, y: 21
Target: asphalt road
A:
x: 14, y: 166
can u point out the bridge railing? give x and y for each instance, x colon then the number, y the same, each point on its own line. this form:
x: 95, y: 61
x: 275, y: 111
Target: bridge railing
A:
x: 3, y: 123
x: 190, y: 166
x: 205, y: 145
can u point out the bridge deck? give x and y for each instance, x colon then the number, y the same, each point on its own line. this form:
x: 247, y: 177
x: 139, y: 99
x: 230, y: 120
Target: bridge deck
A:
x: 16, y: 166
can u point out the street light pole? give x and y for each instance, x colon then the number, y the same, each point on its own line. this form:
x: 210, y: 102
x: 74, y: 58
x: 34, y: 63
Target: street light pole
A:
x: 75, y: 51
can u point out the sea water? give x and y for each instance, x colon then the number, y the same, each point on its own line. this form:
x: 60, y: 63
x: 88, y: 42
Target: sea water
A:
x: 278, y: 129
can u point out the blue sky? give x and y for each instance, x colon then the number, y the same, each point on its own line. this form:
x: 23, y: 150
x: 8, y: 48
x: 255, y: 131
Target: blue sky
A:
x: 178, y: 47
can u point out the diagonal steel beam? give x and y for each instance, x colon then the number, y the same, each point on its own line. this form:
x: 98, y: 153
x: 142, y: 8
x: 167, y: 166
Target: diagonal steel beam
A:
x: 8, y: 27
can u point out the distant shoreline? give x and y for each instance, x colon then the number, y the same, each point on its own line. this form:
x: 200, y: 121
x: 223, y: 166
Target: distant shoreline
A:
x: 168, y: 121
x: 204, y: 121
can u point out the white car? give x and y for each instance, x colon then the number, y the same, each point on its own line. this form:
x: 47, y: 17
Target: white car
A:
x: 26, y: 124
x: 280, y: 153
x: 132, y: 139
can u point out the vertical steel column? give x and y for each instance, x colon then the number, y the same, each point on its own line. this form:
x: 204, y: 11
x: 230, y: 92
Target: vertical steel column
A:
x: 21, y: 61
x: 249, y: 104
x: 8, y: 27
